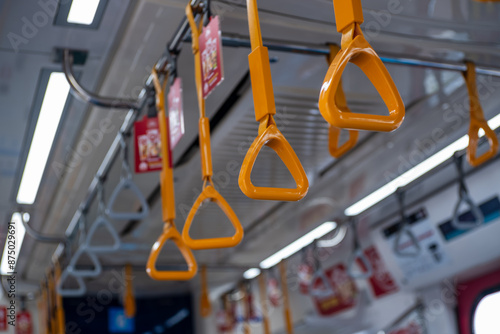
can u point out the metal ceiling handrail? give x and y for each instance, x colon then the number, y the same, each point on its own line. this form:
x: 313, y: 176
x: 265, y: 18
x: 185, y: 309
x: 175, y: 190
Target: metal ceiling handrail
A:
x: 40, y: 237
x: 235, y: 40
x: 78, y: 91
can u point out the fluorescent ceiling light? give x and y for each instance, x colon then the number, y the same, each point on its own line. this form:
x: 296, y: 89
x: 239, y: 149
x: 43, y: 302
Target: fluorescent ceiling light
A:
x: 11, y: 250
x: 251, y: 273
x: 298, y: 244
x: 83, y: 11
x: 43, y: 137
x: 414, y: 173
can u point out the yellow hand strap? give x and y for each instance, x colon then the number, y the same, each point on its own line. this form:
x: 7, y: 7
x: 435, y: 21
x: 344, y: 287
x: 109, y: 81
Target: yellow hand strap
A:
x: 52, y: 302
x: 477, y: 122
x: 209, y: 193
x: 205, y: 304
x: 129, y: 304
x: 355, y: 49
x: 286, y: 298
x: 266, y: 327
x: 168, y: 201
x: 42, y: 310
x: 335, y: 150
x: 246, y: 309
x: 60, y: 318
x: 269, y: 135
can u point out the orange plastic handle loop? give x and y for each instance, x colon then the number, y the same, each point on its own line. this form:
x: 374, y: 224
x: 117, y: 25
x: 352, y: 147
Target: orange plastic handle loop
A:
x: 168, y: 201
x: 334, y: 133
x: 205, y: 304
x: 477, y: 122
x: 274, y: 139
x: 266, y: 326
x: 269, y: 135
x: 209, y: 193
x: 286, y: 298
x: 357, y: 50
x: 171, y: 233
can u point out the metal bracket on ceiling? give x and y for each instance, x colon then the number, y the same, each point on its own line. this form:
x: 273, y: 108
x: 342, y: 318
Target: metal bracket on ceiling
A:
x: 83, y: 94
x: 38, y: 236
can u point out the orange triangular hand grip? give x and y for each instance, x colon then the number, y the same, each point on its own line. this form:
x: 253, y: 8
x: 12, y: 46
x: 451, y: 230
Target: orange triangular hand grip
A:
x: 209, y: 193
x: 475, y: 126
x: 171, y: 233
x: 478, y: 122
x: 265, y: 108
x: 361, y: 54
x: 274, y: 139
x: 337, y: 151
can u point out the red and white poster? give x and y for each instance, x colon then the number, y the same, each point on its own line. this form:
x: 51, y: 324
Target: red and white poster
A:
x: 305, y: 275
x: 147, y: 143
x: 3, y: 319
x: 343, y: 291
x: 23, y: 323
x: 274, y: 292
x: 212, y: 69
x: 412, y: 328
x: 175, y: 113
x: 382, y: 282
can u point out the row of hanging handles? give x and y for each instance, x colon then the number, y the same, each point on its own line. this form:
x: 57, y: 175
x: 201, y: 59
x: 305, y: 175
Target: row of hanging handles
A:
x: 206, y: 307
x: 86, y: 246
x: 332, y: 105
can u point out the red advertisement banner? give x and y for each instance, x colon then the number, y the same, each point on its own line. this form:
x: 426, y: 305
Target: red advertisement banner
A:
x: 412, y: 328
x: 147, y: 144
x: 23, y: 323
x: 3, y: 319
x: 212, y: 72
x: 343, y: 291
x: 381, y: 281
x: 175, y: 113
